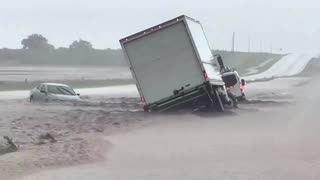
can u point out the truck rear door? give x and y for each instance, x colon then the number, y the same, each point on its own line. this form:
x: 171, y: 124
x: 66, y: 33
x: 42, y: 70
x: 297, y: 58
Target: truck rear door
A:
x: 164, y: 61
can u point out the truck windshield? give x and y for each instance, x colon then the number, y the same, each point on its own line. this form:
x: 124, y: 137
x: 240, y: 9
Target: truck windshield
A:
x: 229, y: 80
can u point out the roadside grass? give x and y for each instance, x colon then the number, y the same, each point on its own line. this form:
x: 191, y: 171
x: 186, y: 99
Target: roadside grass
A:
x: 260, y: 69
x: 243, y: 61
x: 312, y: 69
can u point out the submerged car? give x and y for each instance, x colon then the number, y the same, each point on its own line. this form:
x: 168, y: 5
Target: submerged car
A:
x: 46, y: 92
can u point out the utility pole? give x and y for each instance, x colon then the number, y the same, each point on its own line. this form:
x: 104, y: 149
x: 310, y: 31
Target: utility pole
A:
x: 233, y: 39
x: 249, y: 43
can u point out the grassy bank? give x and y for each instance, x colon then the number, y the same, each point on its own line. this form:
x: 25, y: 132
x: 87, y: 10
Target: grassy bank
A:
x: 62, y: 56
x: 10, y: 86
x: 244, y: 61
x: 312, y: 69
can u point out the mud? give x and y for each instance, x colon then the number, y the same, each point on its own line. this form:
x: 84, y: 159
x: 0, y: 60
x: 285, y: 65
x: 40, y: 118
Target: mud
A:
x: 84, y: 131
x: 255, y: 141
x: 61, y: 134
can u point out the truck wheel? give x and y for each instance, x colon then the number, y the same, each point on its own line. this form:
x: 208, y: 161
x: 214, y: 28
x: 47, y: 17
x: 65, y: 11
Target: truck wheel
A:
x: 234, y: 101
x: 31, y: 99
x: 145, y: 108
x: 218, y: 104
x: 243, y: 97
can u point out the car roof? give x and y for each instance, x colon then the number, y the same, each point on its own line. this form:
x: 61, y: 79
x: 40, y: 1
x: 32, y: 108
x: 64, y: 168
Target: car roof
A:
x: 55, y: 84
x: 229, y: 73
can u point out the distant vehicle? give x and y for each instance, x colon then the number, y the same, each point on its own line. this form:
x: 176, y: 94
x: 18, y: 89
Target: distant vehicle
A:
x: 46, y: 92
x: 171, y: 64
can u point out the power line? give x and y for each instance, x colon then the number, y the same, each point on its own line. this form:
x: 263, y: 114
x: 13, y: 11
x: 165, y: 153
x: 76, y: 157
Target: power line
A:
x: 233, y: 40
x: 249, y: 43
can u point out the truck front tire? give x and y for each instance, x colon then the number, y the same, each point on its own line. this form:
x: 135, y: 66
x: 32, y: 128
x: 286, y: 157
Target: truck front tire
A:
x: 145, y: 108
x: 233, y: 100
x: 218, y: 104
x: 31, y: 99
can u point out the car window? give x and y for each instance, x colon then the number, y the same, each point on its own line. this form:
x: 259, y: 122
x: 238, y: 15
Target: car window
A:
x: 230, y: 80
x: 63, y: 90
x: 38, y: 87
x: 42, y: 88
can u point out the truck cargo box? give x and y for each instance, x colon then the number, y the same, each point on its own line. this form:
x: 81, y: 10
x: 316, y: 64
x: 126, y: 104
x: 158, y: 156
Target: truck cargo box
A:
x: 169, y: 59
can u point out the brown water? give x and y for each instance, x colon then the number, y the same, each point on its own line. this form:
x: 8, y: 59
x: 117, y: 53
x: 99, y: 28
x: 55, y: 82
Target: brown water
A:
x: 260, y: 140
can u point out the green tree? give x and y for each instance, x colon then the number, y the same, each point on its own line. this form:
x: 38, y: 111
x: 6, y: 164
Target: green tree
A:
x: 36, y: 41
x: 81, y: 44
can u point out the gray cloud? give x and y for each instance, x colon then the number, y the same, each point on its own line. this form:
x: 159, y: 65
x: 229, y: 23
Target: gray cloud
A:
x: 288, y: 24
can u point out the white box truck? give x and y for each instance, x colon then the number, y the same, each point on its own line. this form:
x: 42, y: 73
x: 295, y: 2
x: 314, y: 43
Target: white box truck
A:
x: 173, y: 65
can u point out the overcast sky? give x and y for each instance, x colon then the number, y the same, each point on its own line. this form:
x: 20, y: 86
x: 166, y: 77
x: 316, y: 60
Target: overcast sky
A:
x: 289, y: 24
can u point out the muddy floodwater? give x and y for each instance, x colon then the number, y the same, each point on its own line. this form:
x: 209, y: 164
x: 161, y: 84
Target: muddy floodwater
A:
x: 273, y: 136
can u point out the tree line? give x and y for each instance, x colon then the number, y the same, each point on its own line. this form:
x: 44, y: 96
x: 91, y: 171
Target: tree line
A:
x: 36, y: 49
x: 39, y: 42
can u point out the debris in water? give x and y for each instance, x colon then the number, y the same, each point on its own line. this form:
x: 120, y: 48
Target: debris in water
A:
x: 99, y: 129
x: 9, y: 147
x: 47, y: 136
x: 116, y: 123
